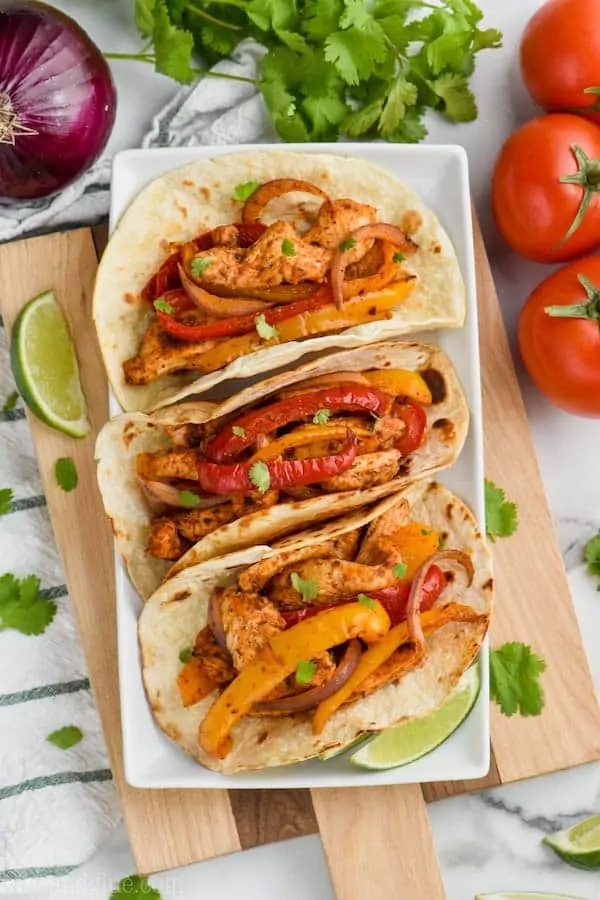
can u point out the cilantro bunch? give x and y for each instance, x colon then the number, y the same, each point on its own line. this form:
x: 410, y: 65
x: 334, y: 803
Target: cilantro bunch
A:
x: 360, y: 68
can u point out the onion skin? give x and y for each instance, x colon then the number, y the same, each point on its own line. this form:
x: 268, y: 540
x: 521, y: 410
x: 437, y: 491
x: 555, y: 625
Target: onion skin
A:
x: 62, y: 94
x: 309, y: 699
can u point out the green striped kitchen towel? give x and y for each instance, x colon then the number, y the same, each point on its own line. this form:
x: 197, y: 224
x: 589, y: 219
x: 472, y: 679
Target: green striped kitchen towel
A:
x: 56, y: 805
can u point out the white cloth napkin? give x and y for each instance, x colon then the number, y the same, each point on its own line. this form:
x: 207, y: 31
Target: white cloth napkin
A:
x: 57, y: 806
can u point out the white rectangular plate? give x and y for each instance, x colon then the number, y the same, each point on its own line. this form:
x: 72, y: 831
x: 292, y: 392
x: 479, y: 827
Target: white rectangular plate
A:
x: 440, y: 176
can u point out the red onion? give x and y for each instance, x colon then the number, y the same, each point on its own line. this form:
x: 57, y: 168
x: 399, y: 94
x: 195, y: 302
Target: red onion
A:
x: 57, y: 100
x: 220, y: 307
x: 413, y: 606
x: 214, y: 618
x: 309, y: 699
x: 171, y: 495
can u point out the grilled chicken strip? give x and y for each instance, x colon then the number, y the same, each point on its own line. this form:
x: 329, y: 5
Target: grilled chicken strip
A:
x: 257, y: 576
x: 216, y: 662
x: 380, y: 533
x: 165, y: 541
x: 249, y: 621
x: 337, y: 219
x: 160, y: 354
x: 366, y: 471
x: 336, y: 579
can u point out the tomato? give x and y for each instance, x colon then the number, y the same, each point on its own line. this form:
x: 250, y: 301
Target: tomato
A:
x: 562, y: 355
x: 538, y: 214
x: 560, y: 56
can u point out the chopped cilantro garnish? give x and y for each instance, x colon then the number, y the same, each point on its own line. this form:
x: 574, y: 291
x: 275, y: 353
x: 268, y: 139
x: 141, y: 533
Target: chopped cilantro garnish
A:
x: 6, y: 499
x: 305, y: 671
x: 162, y: 306
x: 367, y: 601
x: 500, y: 514
x: 21, y: 606
x: 425, y: 531
x: 515, y: 679
x: 591, y: 554
x: 321, y: 417
x: 11, y: 401
x: 263, y: 329
x: 306, y: 587
x: 189, y: 498
x: 239, y: 431
x: 287, y: 248
x: 66, y: 473
x: 200, y: 264
x: 135, y: 887
x: 65, y: 737
x: 400, y: 570
x: 347, y: 244
x: 244, y: 190
x: 186, y: 654
x: 260, y: 476
x: 398, y: 257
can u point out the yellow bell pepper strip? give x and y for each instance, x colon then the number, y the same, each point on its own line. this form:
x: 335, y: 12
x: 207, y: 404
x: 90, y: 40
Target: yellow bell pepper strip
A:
x: 313, y: 434
x: 401, y: 383
x: 280, y: 658
x: 376, y: 655
x: 370, y: 308
x: 369, y: 283
x: 416, y: 541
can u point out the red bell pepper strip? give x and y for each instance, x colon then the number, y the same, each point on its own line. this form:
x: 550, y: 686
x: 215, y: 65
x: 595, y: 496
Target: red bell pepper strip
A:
x: 236, y: 325
x: 393, y: 599
x: 350, y: 397
x: 415, y: 419
x: 235, y: 478
x: 167, y: 278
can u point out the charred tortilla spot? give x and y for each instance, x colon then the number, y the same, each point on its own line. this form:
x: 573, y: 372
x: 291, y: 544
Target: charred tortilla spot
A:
x: 449, y: 508
x: 436, y: 384
x: 179, y: 597
x: 372, y: 310
x: 488, y: 585
x: 205, y: 193
x: 446, y: 430
x: 411, y: 222
x: 436, y: 248
x: 130, y: 298
x: 449, y: 576
x: 404, y: 467
x: 262, y: 737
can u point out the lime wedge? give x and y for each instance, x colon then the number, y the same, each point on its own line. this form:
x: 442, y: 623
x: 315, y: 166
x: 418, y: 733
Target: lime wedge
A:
x: 337, y: 751
x: 45, y: 366
x: 580, y: 845
x: 403, y: 744
x: 525, y: 895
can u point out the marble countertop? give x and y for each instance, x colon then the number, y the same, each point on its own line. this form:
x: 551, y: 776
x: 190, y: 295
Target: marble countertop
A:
x: 486, y: 842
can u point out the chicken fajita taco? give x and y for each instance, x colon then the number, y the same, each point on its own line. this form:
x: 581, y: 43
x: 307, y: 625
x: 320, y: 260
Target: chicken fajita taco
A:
x: 241, y: 264
x: 276, y: 654
x: 200, y: 480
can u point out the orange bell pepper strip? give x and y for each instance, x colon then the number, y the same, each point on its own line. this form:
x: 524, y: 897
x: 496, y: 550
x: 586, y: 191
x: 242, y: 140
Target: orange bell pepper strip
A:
x: 194, y: 683
x: 280, y: 658
x: 376, y: 655
x: 317, y: 321
x: 382, y: 278
x: 416, y: 542
x: 312, y: 434
x: 401, y: 383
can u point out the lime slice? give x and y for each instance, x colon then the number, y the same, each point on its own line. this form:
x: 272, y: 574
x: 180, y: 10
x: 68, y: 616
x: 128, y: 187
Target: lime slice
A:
x: 45, y: 366
x: 337, y: 751
x: 525, y: 895
x: 404, y: 743
x: 580, y: 845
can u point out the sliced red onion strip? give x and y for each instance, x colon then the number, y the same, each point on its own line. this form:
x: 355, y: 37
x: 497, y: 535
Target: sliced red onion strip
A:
x: 413, y: 618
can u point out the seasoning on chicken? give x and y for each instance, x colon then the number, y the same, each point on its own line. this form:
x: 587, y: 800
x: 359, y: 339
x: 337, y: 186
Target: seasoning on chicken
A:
x: 337, y: 219
x: 160, y: 354
x: 255, y: 577
x: 210, y: 667
x: 366, y: 471
x: 381, y: 532
x: 335, y: 579
x: 165, y: 541
x: 249, y: 621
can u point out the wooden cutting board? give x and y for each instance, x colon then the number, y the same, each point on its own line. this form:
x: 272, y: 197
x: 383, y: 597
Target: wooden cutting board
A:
x: 387, y: 828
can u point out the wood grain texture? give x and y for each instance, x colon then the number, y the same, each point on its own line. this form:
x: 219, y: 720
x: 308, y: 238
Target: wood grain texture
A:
x: 166, y: 828
x: 441, y: 790
x: 263, y: 817
x: 378, y: 843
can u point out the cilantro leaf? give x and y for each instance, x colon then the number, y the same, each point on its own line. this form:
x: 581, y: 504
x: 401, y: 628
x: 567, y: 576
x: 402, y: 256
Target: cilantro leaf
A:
x: 287, y: 248
x: 324, y: 113
x: 21, y: 606
x: 501, y: 518
x: 347, y: 244
x: 186, y: 654
x: 133, y: 887
x: 361, y: 120
x: 172, y: 46
x: 515, y: 679
x: 367, y: 601
x: 66, y: 473
x: 161, y: 305
x: 321, y: 417
x: 244, y: 191
x: 239, y: 431
x: 305, y: 671
x: 214, y: 41
x: 306, y: 587
x: 402, y: 94
x: 400, y: 570
x: 398, y: 258
x: 410, y: 129
x: 272, y: 14
x: 144, y: 17
x: 260, y: 476
x: 65, y: 737
x: 591, y: 554
x: 263, y: 329
x: 6, y: 499
x: 11, y: 401
x: 458, y: 101
x: 189, y: 498
x: 355, y: 51
x: 489, y: 39
x: 200, y: 264
x: 321, y: 17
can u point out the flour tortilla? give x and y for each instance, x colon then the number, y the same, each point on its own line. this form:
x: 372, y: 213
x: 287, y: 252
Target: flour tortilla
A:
x: 197, y: 197
x: 178, y: 610
x: 124, y: 437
